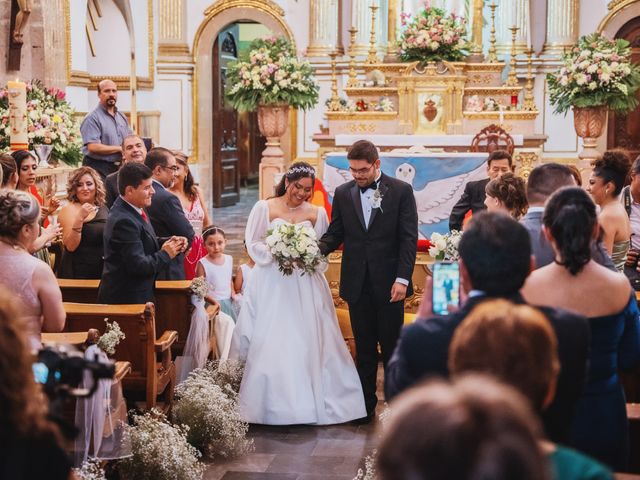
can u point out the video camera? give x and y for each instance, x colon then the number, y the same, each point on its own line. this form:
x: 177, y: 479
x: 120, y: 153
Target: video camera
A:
x: 60, y: 369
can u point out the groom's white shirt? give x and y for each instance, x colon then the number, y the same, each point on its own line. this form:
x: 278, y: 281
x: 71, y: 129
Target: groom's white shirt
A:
x: 366, y: 201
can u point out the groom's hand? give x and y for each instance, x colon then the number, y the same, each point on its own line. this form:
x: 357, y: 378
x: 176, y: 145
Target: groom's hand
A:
x: 398, y: 292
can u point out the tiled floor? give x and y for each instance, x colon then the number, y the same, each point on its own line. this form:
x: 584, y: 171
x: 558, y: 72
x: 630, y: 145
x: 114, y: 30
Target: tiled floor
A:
x: 303, y: 452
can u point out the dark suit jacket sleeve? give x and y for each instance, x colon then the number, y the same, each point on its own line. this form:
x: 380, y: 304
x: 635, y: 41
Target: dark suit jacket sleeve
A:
x: 174, y: 217
x: 408, y: 234
x: 111, y: 186
x: 460, y: 209
x: 397, y: 376
x: 334, y: 236
x: 126, y: 240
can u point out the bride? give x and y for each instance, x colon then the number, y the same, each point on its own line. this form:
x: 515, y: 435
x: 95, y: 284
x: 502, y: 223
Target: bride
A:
x: 298, y: 369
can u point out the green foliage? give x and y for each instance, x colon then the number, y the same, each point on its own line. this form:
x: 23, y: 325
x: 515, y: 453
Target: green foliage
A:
x: 269, y: 73
x: 596, y: 72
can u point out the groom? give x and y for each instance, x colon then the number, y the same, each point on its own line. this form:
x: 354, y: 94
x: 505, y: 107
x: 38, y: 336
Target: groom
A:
x: 375, y: 217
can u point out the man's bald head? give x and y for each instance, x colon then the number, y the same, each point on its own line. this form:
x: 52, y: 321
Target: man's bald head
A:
x: 107, y: 93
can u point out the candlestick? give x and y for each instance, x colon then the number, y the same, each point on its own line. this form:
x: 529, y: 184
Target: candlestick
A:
x: 512, y: 80
x: 372, y: 58
x: 19, y: 139
x: 353, y: 76
x: 334, y: 101
x: 529, y: 101
x: 501, y: 115
x: 492, y: 56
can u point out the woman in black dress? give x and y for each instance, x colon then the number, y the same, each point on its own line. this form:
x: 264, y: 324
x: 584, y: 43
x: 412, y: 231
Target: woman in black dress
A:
x: 83, y: 220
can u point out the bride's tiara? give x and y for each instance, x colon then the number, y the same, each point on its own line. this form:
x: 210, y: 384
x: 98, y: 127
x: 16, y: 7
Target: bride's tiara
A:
x: 301, y: 169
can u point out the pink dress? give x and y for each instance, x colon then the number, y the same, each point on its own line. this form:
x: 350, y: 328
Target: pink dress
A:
x: 16, y: 277
x: 195, y: 215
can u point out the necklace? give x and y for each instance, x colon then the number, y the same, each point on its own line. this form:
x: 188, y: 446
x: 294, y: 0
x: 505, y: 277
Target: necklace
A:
x: 292, y: 209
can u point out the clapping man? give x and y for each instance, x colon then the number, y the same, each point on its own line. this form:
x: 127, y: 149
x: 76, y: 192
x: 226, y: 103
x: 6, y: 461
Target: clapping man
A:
x: 165, y: 212
x: 132, y: 254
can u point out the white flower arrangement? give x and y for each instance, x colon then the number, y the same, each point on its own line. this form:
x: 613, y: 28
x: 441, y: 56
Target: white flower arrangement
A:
x: 160, y: 451
x: 210, y: 410
x: 445, y: 247
x: 294, y: 247
x: 385, y: 104
x: 90, y: 470
x: 111, y: 337
x: 199, y: 287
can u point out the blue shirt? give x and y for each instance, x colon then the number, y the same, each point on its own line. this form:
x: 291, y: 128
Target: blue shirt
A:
x: 100, y: 126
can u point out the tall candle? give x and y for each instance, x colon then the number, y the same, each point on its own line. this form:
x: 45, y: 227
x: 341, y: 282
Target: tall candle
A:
x: 18, y: 115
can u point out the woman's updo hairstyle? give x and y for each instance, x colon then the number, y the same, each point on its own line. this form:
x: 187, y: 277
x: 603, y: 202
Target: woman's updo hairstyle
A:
x: 296, y: 171
x: 21, y: 155
x: 570, y: 217
x: 17, y: 209
x: 613, y: 167
x: 511, y: 191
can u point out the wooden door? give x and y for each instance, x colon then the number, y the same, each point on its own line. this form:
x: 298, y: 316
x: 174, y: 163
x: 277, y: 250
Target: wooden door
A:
x: 624, y: 129
x: 226, y: 175
x: 250, y: 147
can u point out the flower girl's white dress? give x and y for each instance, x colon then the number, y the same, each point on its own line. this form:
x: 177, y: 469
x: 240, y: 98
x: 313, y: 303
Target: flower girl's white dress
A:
x: 298, y: 368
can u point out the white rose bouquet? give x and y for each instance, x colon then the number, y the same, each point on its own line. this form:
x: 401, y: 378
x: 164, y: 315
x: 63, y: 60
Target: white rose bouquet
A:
x: 294, y: 247
x: 445, y: 247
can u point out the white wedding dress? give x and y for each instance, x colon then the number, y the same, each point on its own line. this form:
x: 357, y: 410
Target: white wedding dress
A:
x: 298, y: 368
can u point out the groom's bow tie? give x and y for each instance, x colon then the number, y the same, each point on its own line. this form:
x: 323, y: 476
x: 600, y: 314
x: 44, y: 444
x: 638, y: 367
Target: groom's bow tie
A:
x: 372, y: 186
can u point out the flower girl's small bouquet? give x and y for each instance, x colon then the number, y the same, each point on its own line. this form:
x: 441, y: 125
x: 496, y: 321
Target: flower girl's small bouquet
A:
x: 294, y: 247
x: 111, y: 337
x: 445, y: 247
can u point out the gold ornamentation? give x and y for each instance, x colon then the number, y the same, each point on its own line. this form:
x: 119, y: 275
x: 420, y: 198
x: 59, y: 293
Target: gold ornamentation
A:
x: 492, y: 57
x: 476, y: 27
x: 372, y: 58
x: 615, y: 7
x: 361, y: 128
x: 334, y: 101
x: 369, y: 91
x: 492, y: 91
x: 526, y: 162
x: 353, y: 76
x: 512, y: 80
x: 361, y: 115
x: 507, y: 114
x: 529, y: 100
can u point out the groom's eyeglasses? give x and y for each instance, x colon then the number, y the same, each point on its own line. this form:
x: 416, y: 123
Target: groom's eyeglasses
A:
x: 361, y: 171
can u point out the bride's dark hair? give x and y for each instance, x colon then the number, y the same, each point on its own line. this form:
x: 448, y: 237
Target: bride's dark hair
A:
x: 296, y: 171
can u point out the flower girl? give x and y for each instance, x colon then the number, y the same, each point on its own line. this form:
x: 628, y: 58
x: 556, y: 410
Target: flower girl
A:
x: 217, y: 268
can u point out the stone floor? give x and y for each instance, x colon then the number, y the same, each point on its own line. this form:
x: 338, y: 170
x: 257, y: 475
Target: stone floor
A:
x: 233, y: 220
x: 303, y: 452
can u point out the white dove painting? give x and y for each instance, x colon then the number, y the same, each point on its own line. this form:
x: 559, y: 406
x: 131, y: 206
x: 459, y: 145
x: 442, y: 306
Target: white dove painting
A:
x: 438, y: 181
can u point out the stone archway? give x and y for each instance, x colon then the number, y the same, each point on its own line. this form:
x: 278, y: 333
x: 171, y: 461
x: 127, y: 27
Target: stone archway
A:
x: 217, y: 17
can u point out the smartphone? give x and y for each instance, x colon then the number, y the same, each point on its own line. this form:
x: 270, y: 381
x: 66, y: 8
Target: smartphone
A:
x: 446, y: 287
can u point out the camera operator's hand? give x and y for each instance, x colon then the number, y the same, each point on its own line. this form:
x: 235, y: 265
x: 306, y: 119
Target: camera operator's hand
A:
x: 172, y: 246
x: 632, y: 258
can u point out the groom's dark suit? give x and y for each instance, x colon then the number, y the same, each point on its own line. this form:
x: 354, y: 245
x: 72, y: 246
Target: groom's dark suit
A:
x: 374, y: 256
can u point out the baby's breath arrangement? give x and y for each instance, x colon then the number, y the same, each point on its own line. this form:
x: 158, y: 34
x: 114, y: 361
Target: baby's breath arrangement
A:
x: 369, y: 471
x: 160, y: 451
x: 211, y: 412
x: 90, y: 470
x: 227, y: 374
x: 199, y: 287
x: 111, y: 337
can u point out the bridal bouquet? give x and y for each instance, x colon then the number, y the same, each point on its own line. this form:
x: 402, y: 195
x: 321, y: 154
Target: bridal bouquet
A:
x: 294, y: 246
x: 445, y: 247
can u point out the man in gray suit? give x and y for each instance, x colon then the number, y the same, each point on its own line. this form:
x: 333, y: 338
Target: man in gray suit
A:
x: 543, y: 181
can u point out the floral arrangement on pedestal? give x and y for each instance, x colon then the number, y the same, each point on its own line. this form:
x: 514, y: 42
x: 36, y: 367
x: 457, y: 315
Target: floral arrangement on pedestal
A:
x: 596, y: 72
x: 270, y: 73
x: 50, y: 120
x: 445, y: 247
x: 432, y: 35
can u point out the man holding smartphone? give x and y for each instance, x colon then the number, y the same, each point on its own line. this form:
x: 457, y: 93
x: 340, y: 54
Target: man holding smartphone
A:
x: 375, y: 218
x: 495, y: 260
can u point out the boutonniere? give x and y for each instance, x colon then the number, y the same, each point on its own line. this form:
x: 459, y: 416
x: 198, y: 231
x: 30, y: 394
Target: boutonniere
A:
x: 376, y: 199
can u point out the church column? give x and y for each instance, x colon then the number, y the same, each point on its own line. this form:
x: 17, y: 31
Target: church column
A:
x: 562, y: 26
x: 361, y: 19
x: 323, y: 28
x: 172, y: 40
x: 508, y: 14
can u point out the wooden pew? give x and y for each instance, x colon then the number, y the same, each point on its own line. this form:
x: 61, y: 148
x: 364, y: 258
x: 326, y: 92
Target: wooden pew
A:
x: 173, y: 305
x: 141, y: 347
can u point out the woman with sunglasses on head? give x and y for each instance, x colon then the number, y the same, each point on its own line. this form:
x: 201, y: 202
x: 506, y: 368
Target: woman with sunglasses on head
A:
x: 297, y: 367
x: 27, y: 165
